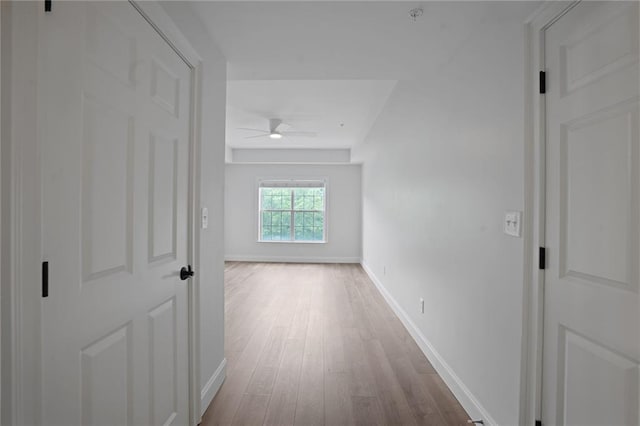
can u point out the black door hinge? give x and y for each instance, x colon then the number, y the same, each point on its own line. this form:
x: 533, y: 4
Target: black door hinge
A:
x: 542, y: 258
x: 538, y: 422
x: 47, y: 5
x: 543, y: 82
x: 45, y: 279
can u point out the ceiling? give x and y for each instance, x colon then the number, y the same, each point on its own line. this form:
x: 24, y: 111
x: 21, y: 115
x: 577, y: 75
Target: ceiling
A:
x: 317, y: 65
x: 340, y: 112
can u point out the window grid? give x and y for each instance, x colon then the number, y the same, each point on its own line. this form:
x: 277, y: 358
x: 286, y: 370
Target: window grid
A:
x: 289, y: 223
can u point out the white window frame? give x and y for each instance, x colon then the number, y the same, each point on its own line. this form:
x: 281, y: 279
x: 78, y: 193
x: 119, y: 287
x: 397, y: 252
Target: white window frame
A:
x: 292, y: 184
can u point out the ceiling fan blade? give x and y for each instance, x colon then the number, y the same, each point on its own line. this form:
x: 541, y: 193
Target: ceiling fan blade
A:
x: 253, y: 130
x: 257, y: 136
x: 300, y: 134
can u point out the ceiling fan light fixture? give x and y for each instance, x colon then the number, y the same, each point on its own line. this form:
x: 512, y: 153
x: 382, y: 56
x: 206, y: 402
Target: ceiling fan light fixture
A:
x: 275, y: 135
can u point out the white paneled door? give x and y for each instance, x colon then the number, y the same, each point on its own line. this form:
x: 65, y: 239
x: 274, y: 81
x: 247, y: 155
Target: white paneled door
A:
x: 113, y: 114
x: 592, y: 320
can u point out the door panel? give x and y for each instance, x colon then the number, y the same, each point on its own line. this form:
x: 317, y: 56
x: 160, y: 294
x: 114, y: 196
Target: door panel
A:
x: 163, y: 187
x: 591, y: 356
x: 106, y: 380
x: 599, y: 51
x: 588, y: 396
x: 114, y: 124
x: 107, y: 190
x: 594, y: 159
x: 163, y: 363
x: 165, y: 87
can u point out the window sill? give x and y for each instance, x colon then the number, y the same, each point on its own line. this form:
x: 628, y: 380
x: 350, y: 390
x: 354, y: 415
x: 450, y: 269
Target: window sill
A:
x: 291, y: 242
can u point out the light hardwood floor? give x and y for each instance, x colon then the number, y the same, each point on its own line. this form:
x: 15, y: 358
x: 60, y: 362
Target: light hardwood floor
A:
x: 310, y: 344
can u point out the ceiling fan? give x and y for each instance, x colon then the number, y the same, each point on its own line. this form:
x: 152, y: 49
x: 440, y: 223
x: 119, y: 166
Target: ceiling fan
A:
x: 277, y: 130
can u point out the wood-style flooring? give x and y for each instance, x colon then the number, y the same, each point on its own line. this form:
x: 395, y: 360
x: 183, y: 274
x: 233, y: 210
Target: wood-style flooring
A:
x: 310, y: 344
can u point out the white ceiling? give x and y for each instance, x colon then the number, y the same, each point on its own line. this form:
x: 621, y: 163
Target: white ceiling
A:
x: 318, y: 64
x: 340, y: 112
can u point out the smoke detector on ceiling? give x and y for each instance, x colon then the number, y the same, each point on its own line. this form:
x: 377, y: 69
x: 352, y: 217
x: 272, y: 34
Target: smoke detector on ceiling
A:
x: 415, y: 13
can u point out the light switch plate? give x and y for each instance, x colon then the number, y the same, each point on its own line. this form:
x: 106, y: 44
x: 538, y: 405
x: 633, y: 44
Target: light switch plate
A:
x: 513, y: 223
x: 205, y: 218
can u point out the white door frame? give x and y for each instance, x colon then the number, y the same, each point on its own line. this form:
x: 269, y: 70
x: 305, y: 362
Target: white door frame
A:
x: 534, y: 209
x: 0, y: 205
x: 160, y: 21
x: 24, y: 237
x: 21, y: 233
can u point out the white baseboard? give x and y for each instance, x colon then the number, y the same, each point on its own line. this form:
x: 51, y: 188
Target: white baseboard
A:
x: 291, y: 259
x: 468, y: 401
x: 213, y: 385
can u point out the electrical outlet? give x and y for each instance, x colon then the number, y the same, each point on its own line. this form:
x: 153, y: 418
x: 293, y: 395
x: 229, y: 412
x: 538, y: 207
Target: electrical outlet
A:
x: 421, y: 305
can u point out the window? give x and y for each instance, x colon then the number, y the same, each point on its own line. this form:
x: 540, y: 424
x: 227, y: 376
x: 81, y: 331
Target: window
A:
x: 292, y: 211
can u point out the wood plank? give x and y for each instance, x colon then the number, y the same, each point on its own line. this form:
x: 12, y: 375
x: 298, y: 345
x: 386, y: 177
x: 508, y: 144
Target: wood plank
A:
x: 361, y: 381
x: 390, y: 394
x: 310, y: 404
x: 338, y: 409
x: 299, y: 326
x: 282, y: 406
x: 251, y: 410
x: 456, y: 416
x: 366, y: 411
x: 445, y: 400
x: 360, y: 318
x: 264, y: 375
x: 420, y: 400
x: 334, y: 353
x: 227, y: 401
x: 317, y: 344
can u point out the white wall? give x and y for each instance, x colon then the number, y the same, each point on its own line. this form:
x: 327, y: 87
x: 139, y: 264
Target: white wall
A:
x: 210, y: 264
x: 442, y: 164
x: 291, y: 156
x: 343, y: 214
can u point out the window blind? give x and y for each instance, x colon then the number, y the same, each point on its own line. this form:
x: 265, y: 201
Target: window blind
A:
x: 292, y: 184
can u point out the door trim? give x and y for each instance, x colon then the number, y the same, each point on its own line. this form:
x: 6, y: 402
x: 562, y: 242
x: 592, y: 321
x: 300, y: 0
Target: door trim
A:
x: 534, y: 208
x: 153, y: 13
x: 1, y: 230
x: 20, y: 216
x: 23, y: 229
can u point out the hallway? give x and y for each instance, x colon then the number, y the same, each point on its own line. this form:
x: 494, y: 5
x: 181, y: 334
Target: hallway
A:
x: 317, y: 344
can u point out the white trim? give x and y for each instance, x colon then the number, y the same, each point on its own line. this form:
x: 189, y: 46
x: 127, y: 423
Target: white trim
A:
x: 291, y: 185
x: 290, y: 259
x: 22, y: 330
x: 290, y: 163
x: 289, y: 241
x: 194, y: 246
x: 213, y: 385
x: 285, y: 177
x: 1, y: 333
x: 155, y: 15
x: 534, y: 210
x: 162, y: 23
x: 468, y: 401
